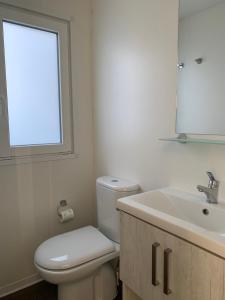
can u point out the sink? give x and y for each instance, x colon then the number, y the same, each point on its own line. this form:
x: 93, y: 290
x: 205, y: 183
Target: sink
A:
x: 183, y: 214
x: 186, y: 207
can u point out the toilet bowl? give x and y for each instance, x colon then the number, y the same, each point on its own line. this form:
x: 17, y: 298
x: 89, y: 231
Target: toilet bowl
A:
x: 80, y: 262
x: 76, y: 261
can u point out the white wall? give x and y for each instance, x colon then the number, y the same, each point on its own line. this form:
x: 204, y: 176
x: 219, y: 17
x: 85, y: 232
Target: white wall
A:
x: 135, y: 57
x: 201, y: 90
x: 29, y: 193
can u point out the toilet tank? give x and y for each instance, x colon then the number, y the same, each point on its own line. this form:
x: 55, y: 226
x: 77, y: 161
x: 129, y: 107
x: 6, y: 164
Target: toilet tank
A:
x: 109, y: 190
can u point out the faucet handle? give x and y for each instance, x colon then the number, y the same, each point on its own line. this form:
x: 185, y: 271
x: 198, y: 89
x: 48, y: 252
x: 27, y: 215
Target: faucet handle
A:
x: 213, y: 183
x: 211, y: 176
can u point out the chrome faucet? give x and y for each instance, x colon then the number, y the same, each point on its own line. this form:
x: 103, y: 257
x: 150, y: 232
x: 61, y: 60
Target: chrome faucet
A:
x: 211, y: 191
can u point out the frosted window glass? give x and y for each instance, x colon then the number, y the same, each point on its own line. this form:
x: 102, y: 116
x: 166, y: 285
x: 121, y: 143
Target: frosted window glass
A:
x: 32, y: 75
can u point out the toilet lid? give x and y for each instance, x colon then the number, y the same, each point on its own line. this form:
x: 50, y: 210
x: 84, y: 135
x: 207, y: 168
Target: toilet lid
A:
x: 71, y: 249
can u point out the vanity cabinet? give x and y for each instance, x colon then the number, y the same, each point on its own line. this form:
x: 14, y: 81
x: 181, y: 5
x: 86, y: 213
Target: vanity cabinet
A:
x: 156, y: 265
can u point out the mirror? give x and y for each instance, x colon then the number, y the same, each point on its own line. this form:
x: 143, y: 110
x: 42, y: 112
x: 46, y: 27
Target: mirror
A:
x: 201, y: 67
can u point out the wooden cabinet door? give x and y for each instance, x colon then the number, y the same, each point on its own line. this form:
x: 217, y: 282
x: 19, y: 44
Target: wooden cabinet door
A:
x: 135, y: 255
x: 207, y: 275
x: 177, y: 254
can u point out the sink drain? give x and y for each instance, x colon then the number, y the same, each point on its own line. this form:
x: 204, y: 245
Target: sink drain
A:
x: 205, y: 212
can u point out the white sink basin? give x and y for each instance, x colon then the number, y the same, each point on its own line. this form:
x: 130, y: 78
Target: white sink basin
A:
x: 185, y: 215
x: 186, y: 207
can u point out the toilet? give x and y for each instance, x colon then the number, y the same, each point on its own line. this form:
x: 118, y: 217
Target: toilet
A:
x: 80, y: 262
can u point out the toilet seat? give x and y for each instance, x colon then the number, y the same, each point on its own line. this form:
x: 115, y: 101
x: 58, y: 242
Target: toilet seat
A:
x: 78, y: 272
x: 73, y: 249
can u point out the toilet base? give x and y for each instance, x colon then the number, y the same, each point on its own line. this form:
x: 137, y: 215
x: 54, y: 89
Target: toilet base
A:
x: 101, y: 285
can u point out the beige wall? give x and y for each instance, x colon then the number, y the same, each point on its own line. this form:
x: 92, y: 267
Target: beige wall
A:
x: 29, y: 193
x: 135, y: 57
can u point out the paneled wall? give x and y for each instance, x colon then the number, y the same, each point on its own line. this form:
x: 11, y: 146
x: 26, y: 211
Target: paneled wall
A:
x: 30, y: 193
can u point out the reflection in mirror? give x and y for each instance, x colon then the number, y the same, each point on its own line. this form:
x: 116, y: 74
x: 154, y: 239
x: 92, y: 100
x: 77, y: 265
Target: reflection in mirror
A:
x: 201, y: 67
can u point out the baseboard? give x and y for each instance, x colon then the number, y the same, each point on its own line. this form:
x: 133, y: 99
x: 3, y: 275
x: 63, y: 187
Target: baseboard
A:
x: 19, y: 285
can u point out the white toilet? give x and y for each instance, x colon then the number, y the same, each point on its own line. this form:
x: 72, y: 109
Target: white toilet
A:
x: 80, y: 261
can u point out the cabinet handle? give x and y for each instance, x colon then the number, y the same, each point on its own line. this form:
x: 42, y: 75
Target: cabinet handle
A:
x: 166, y: 289
x: 155, y: 282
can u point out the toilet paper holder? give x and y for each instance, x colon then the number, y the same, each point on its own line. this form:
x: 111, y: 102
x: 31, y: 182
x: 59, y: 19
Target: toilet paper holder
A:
x: 63, y: 203
x: 65, y: 213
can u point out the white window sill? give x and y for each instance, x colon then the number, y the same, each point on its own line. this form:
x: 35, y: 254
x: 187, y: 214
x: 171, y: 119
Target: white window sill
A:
x: 36, y: 158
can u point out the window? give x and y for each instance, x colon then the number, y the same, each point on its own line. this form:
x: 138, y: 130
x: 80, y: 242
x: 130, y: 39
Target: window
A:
x: 32, y: 82
x: 35, y: 100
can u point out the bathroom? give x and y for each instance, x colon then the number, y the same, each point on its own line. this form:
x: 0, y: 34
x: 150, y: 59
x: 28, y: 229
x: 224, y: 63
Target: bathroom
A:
x: 120, y: 71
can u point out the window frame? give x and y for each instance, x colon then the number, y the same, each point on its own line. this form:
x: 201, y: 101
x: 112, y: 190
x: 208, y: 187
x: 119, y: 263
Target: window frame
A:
x: 62, y: 29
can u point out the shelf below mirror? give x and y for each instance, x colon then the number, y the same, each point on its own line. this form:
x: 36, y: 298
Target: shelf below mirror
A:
x: 184, y: 139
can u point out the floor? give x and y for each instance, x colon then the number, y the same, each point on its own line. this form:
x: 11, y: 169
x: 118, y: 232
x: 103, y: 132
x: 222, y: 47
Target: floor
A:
x: 41, y: 291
